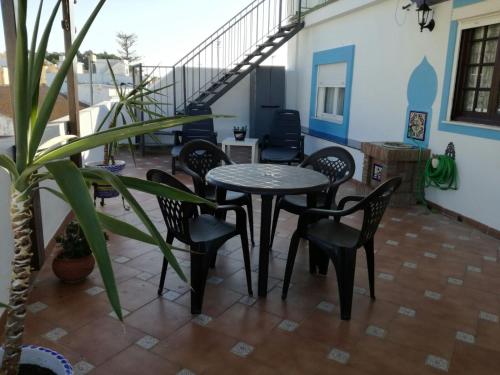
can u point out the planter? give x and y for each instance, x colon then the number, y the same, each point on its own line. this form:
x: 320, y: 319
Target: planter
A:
x: 73, y: 271
x: 240, y: 135
x: 106, y: 191
x: 46, y: 358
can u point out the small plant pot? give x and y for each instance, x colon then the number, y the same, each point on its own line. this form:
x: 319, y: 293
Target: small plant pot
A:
x: 73, y: 271
x: 240, y: 135
x: 107, y: 191
x: 45, y: 358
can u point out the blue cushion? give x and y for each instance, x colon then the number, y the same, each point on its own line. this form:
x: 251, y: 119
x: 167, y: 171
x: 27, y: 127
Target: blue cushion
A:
x: 279, y: 154
x: 176, y: 150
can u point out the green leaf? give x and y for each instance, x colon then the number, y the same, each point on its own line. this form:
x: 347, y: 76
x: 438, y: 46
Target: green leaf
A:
x: 4, y: 305
x: 21, y: 97
x: 74, y: 188
x: 117, y: 184
x: 111, y: 135
x: 124, y: 229
x: 9, y: 165
x: 53, y: 92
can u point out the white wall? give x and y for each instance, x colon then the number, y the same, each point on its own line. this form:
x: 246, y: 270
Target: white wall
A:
x: 386, y: 53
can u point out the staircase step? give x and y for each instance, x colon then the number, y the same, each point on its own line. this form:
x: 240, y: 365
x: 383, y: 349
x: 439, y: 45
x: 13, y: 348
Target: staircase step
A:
x: 290, y: 26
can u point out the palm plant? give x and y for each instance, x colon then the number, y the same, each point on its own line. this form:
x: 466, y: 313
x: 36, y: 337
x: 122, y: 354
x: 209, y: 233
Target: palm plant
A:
x: 35, y: 163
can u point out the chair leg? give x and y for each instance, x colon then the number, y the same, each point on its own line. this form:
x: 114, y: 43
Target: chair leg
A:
x: 345, y: 265
x: 199, y: 273
x: 275, y: 219
x: 169, y: 240
x: 250, y: 218
x: 173, y: 165
x: 292, y: 253
x: 370, y: 260
x: 246, y: 259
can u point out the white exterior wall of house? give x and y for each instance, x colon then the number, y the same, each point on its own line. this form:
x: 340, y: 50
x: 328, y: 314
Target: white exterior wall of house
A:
x: 54, y: 211
x: 385, y: 56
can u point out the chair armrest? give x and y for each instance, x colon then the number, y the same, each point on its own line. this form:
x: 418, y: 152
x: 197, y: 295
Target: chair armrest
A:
x: 241, y: 215
x: 350, y: 198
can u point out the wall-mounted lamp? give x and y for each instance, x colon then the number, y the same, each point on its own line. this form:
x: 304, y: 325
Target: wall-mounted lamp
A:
x: 425, y: 17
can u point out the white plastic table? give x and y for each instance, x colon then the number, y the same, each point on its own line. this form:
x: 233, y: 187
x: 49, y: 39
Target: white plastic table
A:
x: 247, y: 142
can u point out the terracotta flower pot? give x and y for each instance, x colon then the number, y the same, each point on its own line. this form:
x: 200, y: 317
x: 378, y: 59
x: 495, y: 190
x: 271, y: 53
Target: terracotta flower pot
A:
x: 73, y: 270
x: 45, y: 358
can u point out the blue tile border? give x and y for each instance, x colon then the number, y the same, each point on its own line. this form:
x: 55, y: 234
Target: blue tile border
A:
x: 332, y: 56
x: 458, y: 127
x: 352, y: 143
x: 462, y: 3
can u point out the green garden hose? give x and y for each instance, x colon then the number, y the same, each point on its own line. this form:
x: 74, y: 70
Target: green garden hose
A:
x: 443, y: 175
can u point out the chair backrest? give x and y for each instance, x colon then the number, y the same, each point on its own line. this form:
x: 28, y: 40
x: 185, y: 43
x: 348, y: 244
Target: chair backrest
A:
x: 374, y: 206
x: 203, y: 129
x: 197, y: 158
x: 286, y: 130
x: 175, y: 213
x: 334, y: 162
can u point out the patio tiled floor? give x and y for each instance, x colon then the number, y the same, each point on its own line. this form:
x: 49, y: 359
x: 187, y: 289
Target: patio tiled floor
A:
x: 437, y: 307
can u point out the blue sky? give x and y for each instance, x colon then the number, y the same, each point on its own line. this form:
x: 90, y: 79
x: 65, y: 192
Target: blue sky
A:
x: 166, y: 29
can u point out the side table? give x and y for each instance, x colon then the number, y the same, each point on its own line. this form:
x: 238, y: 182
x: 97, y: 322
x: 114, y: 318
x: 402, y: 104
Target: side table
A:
x: 247, y: 142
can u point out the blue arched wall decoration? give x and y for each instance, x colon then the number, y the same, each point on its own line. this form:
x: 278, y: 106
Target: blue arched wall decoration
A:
x: 421, y: 93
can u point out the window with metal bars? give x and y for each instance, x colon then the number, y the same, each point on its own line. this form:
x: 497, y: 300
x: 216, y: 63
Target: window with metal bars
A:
x: 477, y: 85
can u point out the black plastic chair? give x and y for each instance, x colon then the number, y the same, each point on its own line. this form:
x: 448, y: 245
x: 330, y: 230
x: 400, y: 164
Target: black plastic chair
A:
x: 195, y: 130
x: 340, y: 241
x: 204, y: 233
x: 285, y: 143
x: 196, y: 159
x: 334, y: 162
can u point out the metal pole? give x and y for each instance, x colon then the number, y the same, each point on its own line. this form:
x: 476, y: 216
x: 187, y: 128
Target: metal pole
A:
x: 91, y: 71
x: 72, y: 84
x: 300, y: 10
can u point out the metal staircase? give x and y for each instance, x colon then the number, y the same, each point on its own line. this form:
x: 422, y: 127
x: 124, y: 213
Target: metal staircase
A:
x: 222, y: 60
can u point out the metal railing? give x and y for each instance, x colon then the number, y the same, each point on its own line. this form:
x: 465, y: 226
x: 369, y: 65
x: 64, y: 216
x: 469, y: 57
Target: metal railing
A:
x: 221, y: 52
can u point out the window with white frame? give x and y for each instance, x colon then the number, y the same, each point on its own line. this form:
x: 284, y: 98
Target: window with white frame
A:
x: 331, y: 91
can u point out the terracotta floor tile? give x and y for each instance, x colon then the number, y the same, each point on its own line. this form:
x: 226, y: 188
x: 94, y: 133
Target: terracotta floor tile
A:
x: 471, y: 359
x: 135, y: 293
x: 135, y: 360
x: 101, y: 339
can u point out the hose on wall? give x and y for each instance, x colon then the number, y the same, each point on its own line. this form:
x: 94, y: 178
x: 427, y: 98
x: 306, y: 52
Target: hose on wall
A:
x: 441, y: 172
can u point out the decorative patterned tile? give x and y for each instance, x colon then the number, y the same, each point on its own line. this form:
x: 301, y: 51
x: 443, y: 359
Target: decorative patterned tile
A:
x: 147, y: 342
x: 488, y: 316
x: 386, y: 276
x: 432, y: 295
x: 455, y: 281
x: 288, y: 325
x: 428, y: 228
x: 144, y: 276
x: 407, y: 311
x: 429, y: 254
x: 396, y: 219
x: 171, y: 295
x: 437, y: 362
x: 242, y: 349
x: 376, y: 331
x: 124, y: 314
x: 392, y: 242
x: 448, y: 246
x: 202, y: 319
x: 82, y: 368
x: 247, y: 300
x: 94, y: 291
x: 411, y: 265
x: 411, y: 235
x: 339, y: 356
x: 215, y: 280
x: 465, y: 337
x: 474, y: 269
x: 185, y: 371
x: 360, y: 290
x: 489, y: 259
x: 55, y: 334
x: 326, y: 306
x: 121, y: 259
x: 464, y: 238
x: 36, y: 307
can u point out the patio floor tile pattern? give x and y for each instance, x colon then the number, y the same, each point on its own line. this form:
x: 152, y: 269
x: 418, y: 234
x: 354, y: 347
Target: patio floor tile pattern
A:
x: 437, y: 308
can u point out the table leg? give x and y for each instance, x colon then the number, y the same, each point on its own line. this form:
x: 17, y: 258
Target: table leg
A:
x: 318, y: 260
x: 265, y: 231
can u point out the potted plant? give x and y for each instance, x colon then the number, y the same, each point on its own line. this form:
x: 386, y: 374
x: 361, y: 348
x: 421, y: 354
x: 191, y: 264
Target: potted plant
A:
x: 124, y: 111
x: 35, y: 162
x: 240, y: 133
x: 74, y: 260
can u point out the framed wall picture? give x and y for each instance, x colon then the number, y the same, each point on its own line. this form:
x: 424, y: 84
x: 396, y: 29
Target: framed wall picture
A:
x: 377, y: 172
x: 417, y: 124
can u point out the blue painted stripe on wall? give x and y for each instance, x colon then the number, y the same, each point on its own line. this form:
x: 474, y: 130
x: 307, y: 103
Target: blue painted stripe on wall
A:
x: 462, y: 3
x: 332, y: 56
x: 459, y: 128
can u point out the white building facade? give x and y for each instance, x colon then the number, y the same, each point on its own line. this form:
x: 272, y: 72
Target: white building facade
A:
x: 369, y: 61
